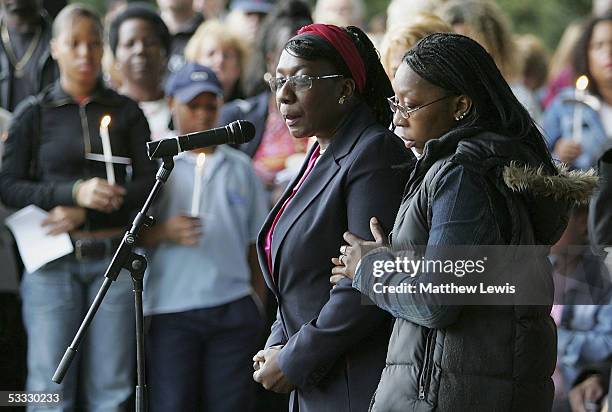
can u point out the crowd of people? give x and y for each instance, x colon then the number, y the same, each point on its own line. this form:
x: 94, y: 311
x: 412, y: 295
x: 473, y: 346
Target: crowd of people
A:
x: 437, y: 128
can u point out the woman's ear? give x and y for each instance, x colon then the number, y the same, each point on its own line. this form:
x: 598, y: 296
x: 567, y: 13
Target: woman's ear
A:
x: 462, y: 107
x: 348, y: 89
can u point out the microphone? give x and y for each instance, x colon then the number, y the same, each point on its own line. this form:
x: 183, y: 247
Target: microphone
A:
x: 237, y: 132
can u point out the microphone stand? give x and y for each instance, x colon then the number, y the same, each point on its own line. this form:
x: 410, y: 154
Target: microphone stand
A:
x: 136, y: 264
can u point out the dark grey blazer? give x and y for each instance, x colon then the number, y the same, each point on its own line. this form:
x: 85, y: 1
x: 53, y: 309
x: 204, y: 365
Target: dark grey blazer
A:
x: 335, y: 345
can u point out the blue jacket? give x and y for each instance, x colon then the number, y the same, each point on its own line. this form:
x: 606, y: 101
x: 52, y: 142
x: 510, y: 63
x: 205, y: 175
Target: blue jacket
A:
x: 585, y: 332
x: 558, y: 122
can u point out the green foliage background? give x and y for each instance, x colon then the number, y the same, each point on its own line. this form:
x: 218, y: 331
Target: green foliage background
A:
x: 545, y: 18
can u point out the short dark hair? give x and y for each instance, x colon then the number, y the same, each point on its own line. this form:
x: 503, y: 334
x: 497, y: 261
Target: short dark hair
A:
x: 461, y: 66
x: 581, y: 51
x: 378, y: 86
x: 144, y: 11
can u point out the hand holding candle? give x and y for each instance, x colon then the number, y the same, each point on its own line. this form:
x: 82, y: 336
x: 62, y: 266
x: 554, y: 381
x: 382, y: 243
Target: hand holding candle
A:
x: 197, y: 185
x: 579, y: 94
x: 106, y: 147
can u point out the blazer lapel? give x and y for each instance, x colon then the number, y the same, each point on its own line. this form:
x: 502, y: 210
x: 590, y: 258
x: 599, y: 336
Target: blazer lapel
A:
x: 263, y: 232
x: 328, y: 165
x: 315, y: 183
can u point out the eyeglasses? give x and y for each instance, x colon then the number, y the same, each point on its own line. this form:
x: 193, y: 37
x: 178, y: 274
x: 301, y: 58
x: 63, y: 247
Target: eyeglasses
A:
x: 406, y: 112
x: 297, y: 83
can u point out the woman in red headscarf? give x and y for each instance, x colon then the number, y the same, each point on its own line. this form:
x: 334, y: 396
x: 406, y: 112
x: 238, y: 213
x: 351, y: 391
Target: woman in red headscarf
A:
x: 330, y: 84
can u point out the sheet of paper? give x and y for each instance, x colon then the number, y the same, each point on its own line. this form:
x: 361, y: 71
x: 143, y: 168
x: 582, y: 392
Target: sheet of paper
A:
x: 35, y: 246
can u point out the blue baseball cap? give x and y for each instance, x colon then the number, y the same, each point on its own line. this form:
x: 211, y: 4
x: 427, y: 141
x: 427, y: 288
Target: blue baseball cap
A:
x: 192, y: 80
x: 253, y: 6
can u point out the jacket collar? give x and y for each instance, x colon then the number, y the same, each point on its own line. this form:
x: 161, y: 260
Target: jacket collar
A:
x: 350, y: 129
x: 56, y: 96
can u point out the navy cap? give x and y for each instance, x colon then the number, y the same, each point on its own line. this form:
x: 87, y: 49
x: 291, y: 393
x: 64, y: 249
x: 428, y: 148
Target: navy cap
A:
x: 192, y: 80
x: 253, y: 6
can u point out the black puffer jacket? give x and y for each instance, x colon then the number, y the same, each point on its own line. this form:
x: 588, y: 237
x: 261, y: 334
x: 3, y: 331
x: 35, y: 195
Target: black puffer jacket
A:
x: 475, y: 358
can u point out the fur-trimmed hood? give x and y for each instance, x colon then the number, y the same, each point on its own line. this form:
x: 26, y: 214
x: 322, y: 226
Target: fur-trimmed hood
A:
x: 574, y: 186
x: 547, y: 194
x: 550, y: 197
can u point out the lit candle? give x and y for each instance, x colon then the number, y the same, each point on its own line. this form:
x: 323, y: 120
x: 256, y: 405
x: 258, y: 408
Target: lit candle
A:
x: 581, y: 85
x: 197, y: 185
x: 106, y: 147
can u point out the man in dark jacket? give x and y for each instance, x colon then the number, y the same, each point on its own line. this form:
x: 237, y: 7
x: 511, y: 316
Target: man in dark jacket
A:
x: 26, y: 66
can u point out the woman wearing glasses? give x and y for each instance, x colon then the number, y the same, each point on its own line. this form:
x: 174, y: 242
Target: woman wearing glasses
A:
x: 484, y: 177
x: 329, y: 83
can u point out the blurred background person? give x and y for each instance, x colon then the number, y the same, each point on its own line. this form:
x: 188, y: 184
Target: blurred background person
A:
x: 401, y: 37
x: 205, y: 317
x: 340, y: 12
x: 593, y: 58
x: 45, y: 163
x: 484, y: 21
x: 272, y: 144
x: 25, y: 62
x: 215, y: 45
x: 600, y: 233
x: 399, y: 12
x: 601, y: 7
x: 561, y: 70
x: 26, y: 68
x: 140, y: 43
x: 533, y: 65
x: 583, y: 310
x: 246, y: 17
x: 182, y: 22
x: 210, y: 9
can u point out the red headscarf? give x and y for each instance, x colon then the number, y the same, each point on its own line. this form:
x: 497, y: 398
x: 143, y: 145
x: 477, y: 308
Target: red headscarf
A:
x: 341, y: 41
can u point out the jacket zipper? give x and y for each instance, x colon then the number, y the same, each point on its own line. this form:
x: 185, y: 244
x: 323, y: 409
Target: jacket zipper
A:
x: 86, y: 142
x: 427, y: 367
x: 85, y: 127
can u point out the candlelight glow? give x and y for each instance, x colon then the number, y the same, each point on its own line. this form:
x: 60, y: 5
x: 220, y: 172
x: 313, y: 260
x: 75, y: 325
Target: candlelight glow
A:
x: 201, y: 159
x: 582, y: 83
x: 105, y: 121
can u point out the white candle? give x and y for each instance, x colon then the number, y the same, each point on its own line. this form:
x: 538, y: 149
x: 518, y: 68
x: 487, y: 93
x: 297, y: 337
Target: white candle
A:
x: 106, y: 147
x: 197, y: 185
x: 581, y: 85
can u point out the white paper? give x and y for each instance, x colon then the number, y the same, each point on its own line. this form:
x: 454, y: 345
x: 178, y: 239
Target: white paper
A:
x: 35, y: 246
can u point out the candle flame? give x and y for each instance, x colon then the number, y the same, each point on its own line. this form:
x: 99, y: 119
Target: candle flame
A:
x: 582, y: 83
x: 105, y: 121
x: 201, y: 160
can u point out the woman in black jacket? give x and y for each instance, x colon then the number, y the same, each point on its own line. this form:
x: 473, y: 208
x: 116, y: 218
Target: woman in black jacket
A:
x: 52, y: 160
x: 484, y: 177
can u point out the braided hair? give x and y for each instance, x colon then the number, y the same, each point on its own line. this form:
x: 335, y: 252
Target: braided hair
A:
x: 461, y: 66
x: 377, y: 87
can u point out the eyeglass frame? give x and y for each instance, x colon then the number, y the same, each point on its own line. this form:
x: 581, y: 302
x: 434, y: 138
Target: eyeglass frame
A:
x: 310, y: 78
x: 406, y: 113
